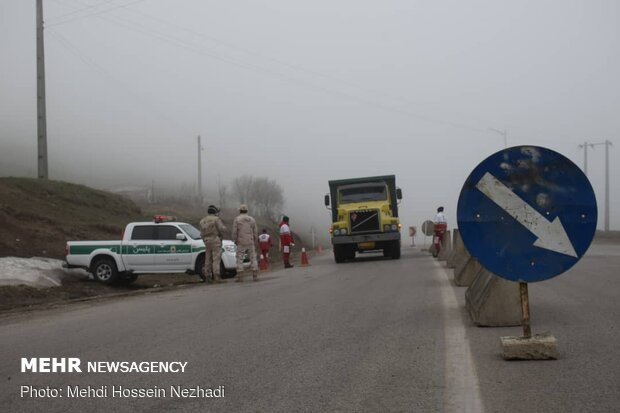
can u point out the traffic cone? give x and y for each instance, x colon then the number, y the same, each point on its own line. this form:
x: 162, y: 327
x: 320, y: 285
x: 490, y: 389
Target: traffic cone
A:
x: 304, y: 258
x: 263, y: 263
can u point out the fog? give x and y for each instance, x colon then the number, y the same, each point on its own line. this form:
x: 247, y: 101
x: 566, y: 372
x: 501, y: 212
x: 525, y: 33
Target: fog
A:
x: 304, y: 92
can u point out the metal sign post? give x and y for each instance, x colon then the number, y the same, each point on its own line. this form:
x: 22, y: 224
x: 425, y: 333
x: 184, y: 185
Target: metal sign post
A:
x: 412, y: 233
x: 527, y: 214
x: 428, y: 228
x: 525, y: 311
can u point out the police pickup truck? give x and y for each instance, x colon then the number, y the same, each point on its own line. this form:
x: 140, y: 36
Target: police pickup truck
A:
x: 160, y: 246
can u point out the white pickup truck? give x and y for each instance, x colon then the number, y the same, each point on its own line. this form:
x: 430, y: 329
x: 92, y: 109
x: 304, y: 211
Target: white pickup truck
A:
x: 160, y: 246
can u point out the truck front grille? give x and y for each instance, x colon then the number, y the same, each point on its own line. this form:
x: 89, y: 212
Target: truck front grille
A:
x: 365, y: 220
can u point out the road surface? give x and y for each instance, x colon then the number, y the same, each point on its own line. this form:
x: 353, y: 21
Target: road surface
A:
x: 372, y: 335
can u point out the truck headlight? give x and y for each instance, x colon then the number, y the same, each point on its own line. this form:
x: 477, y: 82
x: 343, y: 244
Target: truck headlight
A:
x: 394, y: 227
x: 386, y: 227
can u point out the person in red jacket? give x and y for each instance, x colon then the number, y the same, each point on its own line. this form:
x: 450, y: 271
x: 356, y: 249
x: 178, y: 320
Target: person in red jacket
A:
x: 264, y: 243
x: 286, y: 241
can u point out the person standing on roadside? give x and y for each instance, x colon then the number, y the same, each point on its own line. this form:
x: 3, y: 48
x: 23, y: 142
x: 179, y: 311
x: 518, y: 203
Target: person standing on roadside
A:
x: 286, y: 241
x: 212, y: 231
x: 245, y: 235
x: 440, y: 218
x: 264, y: 243
x: 440, y: 226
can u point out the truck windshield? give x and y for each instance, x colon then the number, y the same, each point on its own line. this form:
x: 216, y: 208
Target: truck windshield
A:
x: 363, y: 193
x: 191, y: 231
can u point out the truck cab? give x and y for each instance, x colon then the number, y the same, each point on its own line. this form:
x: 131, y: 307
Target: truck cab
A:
x: 364, y: 216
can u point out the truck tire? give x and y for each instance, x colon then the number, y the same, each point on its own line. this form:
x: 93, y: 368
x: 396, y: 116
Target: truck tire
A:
x: 350, y: 253
x: 200, y: 267
x: 395, y: 250
x: 339, y: 254
x: 104, y: 270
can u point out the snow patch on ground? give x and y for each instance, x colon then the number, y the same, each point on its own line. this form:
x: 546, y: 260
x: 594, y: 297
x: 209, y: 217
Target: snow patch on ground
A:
x: 35, y: 272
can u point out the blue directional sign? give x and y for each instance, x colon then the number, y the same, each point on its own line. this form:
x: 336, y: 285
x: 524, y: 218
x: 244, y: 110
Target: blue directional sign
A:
x: 527, y: 213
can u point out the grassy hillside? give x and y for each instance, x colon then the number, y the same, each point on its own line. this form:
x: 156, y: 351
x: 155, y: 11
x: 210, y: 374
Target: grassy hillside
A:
x: 37, y: 217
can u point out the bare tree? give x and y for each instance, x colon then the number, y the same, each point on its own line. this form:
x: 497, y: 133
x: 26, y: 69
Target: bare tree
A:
x: 267, y: 197
x: 243, y: 188
x: 222, y: 190
x: 262, y: 194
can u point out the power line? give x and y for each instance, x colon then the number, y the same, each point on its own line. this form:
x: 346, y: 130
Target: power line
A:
x: 97, y: 13
x: 201, y: 49
x: 74, y: 12
x: 271, y: 58
x: 63, y: 41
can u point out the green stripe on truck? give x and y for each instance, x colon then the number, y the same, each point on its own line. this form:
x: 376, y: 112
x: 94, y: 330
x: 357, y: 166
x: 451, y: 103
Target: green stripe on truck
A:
x: 87, y: 249
x: 135, y: 250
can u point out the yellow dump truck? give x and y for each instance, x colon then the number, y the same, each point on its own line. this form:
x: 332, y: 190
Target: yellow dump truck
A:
x: 364, y: 216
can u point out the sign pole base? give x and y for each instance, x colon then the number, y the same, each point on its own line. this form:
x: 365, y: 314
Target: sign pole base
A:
x: 529, y: 347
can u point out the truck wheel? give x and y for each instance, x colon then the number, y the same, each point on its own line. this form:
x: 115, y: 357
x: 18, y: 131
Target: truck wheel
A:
x: 395, y: 250
x: 351, y: 253
x: 200, y: 267
x: 104, y: 270
x: 339, y: 254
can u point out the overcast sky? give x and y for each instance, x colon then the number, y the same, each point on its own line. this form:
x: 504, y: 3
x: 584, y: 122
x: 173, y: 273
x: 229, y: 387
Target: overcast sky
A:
x: 304, y: 92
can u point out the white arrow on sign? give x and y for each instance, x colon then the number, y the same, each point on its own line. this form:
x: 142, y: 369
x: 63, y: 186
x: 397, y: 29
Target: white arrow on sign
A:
x: 551, y: 235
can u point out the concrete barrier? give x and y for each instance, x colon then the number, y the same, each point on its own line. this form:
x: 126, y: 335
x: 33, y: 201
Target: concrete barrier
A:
x: 466, y: 270
x: 458, y: 249
x: 446, y: 247
x: 493, y: 301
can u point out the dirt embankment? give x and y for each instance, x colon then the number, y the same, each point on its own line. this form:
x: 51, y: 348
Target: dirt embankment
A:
x: 38, y: 217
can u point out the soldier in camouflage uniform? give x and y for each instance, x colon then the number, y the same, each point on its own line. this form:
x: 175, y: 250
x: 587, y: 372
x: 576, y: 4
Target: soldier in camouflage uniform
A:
x: 245, y: 235
x: 212, y: 231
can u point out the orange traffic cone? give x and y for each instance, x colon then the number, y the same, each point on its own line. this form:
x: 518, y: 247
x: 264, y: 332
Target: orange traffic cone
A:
x: 263, y: 264
x: 304, y: 258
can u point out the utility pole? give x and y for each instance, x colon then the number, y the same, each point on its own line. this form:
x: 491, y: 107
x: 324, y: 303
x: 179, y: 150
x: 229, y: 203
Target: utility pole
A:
x: 199, y: 171
x: 607, y: 144
x: 585, y: 156
x: 504, y: 133
x: 41, y: 115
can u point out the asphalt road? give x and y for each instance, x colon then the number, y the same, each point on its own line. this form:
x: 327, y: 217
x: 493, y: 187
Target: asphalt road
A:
x: 372, y: 335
